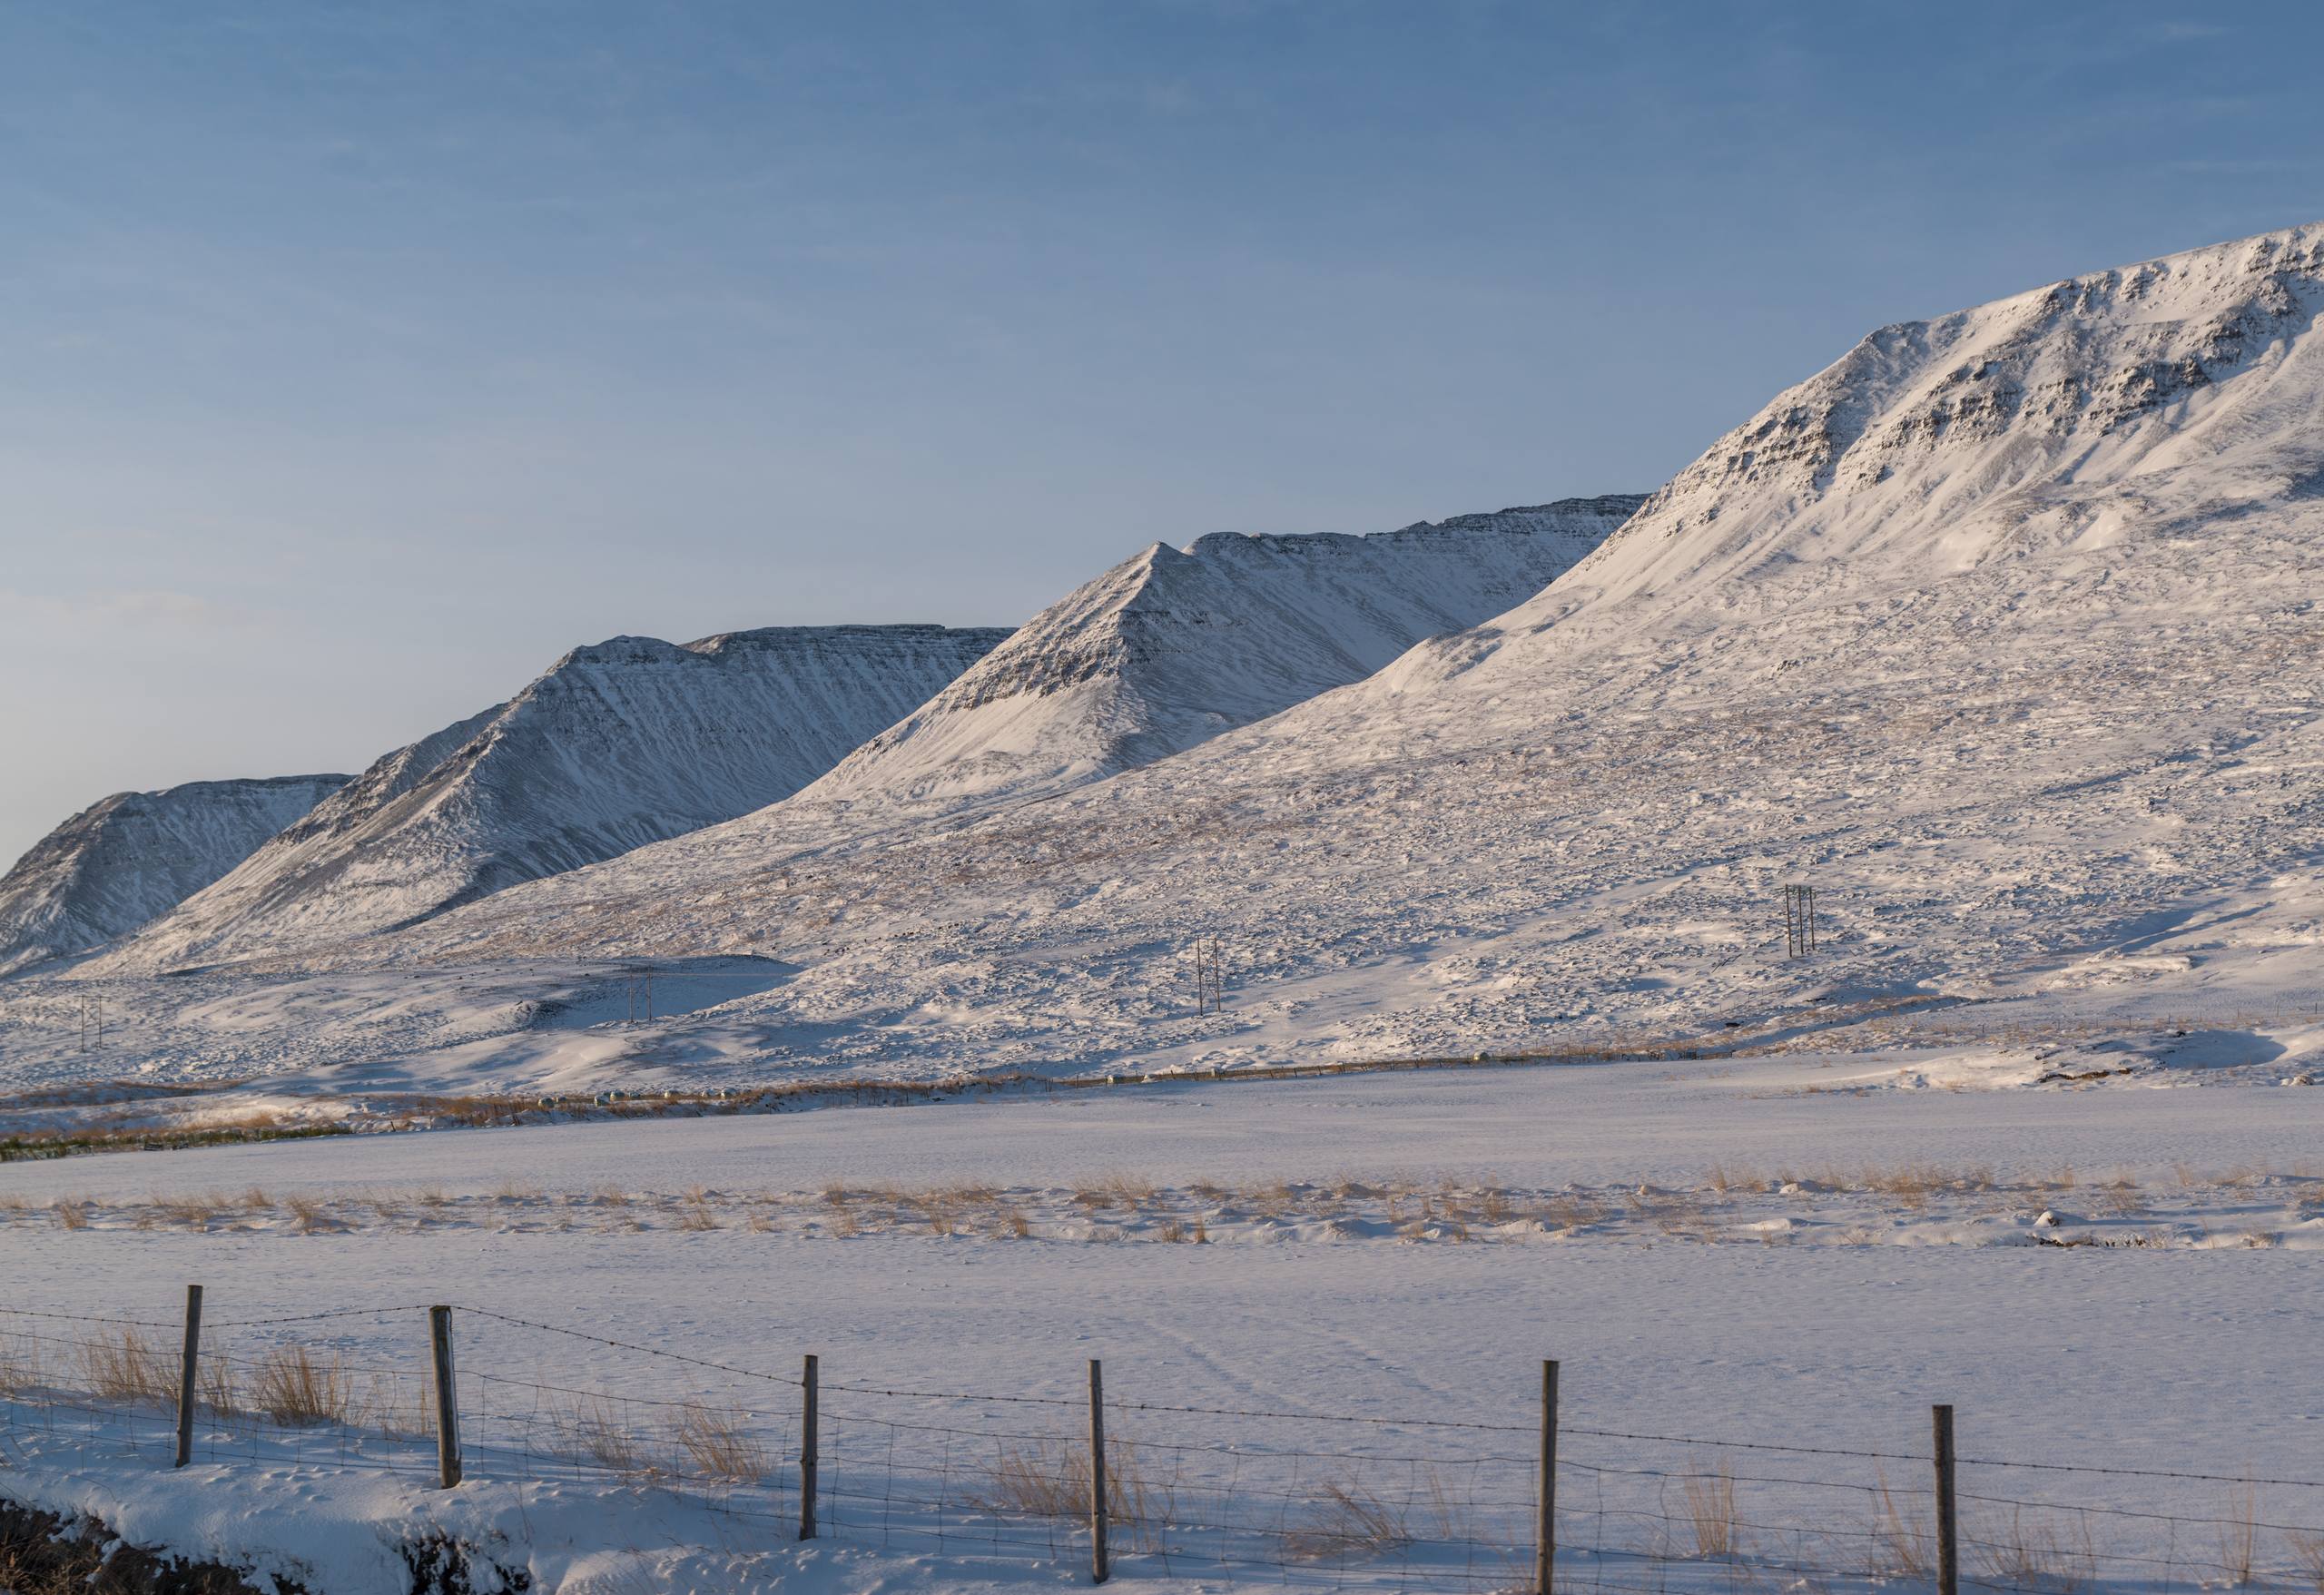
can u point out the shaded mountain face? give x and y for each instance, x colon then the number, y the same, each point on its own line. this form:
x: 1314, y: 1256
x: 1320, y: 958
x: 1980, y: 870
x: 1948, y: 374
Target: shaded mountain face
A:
x: 1173, y: 646
x: 123, y: 861
x: 618, y: 744
x: 1167, y: 649
x: 2003, y: 632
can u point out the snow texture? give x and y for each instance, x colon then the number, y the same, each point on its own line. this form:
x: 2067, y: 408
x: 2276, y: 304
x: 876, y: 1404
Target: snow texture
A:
x: 135, y: 855
x: 2002, y: 631
x: 618, y: 744
x: 1173, y: 646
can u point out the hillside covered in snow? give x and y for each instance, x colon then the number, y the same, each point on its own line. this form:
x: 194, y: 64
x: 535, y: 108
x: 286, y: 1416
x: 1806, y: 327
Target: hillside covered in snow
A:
x: 616, y: 745
x: 1172, y: 646
x: 2001, y: 631
x: 120, y: 862
x: 1167, y: 649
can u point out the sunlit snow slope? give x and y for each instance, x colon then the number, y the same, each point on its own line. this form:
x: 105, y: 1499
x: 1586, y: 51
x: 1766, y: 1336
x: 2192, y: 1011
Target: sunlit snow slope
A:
x: 618, y: 744
x: 1169, y: 648
x: 1173, y: 646
x: 2001, y: 631
x: 118, y: 863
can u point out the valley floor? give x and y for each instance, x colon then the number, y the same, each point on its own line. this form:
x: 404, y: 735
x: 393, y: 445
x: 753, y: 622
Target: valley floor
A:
x: 1398, y: 1251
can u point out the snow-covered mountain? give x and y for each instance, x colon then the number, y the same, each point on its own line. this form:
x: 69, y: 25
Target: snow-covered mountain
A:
x: 1174, y: 646
x: 1167, y: 648
x: 616, y: 745
x: 120, y: 862
x: 2003, y: 631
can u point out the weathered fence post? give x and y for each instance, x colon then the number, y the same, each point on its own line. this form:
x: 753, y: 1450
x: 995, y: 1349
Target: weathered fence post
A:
x: 1545, y: 1529
x: 808, y: 1449
x: 447, y: 1406
x: 1098, y: 1568
x: 1948, y: 1564
x: 188, y: 1362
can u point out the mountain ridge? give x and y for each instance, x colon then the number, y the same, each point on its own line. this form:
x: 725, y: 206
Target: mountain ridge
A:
x: 618, y: 744
x: 132, y: 856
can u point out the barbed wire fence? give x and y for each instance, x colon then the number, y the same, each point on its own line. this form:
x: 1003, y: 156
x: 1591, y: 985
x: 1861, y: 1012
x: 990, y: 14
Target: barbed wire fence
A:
x: 1115, y: 1482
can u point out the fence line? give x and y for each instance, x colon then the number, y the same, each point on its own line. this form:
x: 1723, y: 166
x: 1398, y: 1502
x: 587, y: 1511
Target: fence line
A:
x: 1308, y: 1500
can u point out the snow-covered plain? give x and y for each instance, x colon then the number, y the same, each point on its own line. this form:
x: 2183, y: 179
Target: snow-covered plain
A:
x: 679, y: 1235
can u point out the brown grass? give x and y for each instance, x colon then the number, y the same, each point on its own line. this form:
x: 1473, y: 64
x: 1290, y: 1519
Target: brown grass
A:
x: 1350, y: 1521
x: 19, y: 1365
x: 2239, y: 1535
x: 293, y: 1386
x: 1900, y: 1541
x: 2038, y: 1553
x: 125, y: 1368
x: 591, y: 1431
x: 312, y: 1216
x: 1710, y: 1517
x: 71, y: 1212
x: 1050, y: 1478
x: 718, y: 1446
x: 2308, y: 1553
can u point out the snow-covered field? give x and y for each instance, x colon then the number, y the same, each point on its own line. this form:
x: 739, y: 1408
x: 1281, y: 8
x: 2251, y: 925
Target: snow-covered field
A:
x: 1224, y: 1245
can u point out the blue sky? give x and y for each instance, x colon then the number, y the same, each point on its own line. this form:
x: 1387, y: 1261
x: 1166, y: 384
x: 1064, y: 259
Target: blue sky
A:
x: 355, y: 361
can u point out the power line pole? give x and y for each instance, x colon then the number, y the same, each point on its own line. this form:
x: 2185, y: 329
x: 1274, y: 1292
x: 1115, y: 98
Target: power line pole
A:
x: 1799, y: 921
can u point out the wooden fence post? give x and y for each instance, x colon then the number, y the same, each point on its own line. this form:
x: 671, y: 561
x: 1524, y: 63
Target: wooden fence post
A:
x: 1948, y: 1563
x: 189, y: 1361
x: 447, y: 1406
x: 1099, y: 1568
x: 808, y: 1451
x: 1545, y: 1529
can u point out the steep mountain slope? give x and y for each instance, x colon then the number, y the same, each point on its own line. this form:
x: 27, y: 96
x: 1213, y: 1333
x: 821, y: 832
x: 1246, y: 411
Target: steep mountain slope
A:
x: 2003, y: 632
x: 120, y: 862
x: 618, y: 744
x: 1173, y: 646
x: 1167, y: 648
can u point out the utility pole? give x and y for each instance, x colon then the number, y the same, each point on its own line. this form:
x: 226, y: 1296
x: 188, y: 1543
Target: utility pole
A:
x: 1799, y: 921
x: 1210, y: 984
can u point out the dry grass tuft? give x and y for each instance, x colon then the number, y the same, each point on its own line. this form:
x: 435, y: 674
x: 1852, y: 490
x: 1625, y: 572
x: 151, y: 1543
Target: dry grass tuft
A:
x: 2038, y: 1554
x: 1050, y: 1478
x: 71, y: 1212
x: 591, y: 1431
x: 293, y: 1386
x: 313, y: 1218
x: 1710, y: 1513
x: 718, y: 1446
x: 125, y: 1368
x: 2308, y: 1553
x: 695, y: 1214
x: 19, y: 1365
x: 2239, y: 1535
x: 1900, y: 1541
x: 1350, y: 1521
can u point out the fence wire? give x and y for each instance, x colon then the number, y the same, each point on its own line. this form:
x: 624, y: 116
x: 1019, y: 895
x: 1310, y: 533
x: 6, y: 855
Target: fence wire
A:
x: 1218, y: 1494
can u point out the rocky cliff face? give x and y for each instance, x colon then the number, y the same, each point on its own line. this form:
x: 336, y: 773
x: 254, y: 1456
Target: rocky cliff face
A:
x: 123, y: 861
x: 618, y: 744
